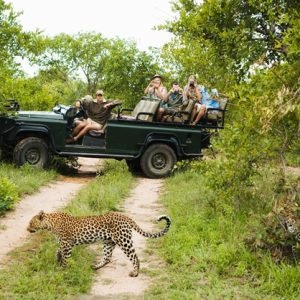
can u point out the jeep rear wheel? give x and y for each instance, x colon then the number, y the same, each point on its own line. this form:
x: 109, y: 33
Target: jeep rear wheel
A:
x: 158, y: 161
x: 33, y: 151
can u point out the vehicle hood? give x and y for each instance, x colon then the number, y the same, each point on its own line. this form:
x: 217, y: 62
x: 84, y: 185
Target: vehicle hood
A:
x: 39, y: 114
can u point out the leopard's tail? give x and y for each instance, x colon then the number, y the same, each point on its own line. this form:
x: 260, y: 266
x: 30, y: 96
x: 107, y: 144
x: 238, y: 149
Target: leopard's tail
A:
x: 158, y: 234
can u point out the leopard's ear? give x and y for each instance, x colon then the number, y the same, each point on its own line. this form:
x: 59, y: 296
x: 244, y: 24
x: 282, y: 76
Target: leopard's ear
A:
x: 41, y: 215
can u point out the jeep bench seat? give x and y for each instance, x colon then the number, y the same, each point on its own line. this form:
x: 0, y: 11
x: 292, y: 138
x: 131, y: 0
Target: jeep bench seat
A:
x: 182, y: 114
x: 215, y: 114
x: 144, y: 110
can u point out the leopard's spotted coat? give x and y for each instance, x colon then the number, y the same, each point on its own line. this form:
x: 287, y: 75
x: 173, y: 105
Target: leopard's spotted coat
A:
x: 112, y: 228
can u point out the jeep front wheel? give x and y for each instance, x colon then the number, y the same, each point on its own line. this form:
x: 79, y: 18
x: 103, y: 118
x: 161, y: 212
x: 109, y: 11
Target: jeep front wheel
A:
x: 31, y: 150
x: 158, y: 161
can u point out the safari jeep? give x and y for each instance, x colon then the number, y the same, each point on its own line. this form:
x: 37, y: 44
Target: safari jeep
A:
x: 153, y: 147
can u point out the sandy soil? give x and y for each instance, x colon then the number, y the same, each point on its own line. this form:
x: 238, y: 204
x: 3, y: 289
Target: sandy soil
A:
x: 112, y: 281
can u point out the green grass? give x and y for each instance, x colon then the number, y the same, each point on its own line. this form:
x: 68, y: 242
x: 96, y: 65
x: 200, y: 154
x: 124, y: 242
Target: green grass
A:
x: 26, y: 179
x: 16, y: 182
x: 205, y: 251
x: 33, y: 272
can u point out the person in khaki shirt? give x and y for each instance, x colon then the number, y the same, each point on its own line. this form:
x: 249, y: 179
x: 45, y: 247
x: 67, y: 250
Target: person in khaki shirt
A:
x: 98, y: 112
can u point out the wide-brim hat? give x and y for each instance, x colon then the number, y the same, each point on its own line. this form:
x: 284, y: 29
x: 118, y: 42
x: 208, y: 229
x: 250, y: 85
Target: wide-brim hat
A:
x: 157, y: 76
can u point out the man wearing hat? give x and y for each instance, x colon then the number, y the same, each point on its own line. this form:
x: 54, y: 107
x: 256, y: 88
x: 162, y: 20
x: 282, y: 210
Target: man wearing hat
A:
x: 155, y: 88
x: 98, y: 111
x: 173, y: 102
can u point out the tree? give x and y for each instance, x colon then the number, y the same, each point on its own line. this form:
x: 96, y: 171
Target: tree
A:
x: 14, y: 44
x: 235, y: 34
x: 114, y: 65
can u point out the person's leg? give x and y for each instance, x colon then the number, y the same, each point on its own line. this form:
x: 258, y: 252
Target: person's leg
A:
x: 86, y: 129
x: 78, y: 126
x: 200, y: 114
x: 194, y: 113
x: 160, y: 113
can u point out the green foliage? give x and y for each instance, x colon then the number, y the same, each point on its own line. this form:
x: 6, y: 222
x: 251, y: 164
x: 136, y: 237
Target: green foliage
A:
x: 8, y: 194
x: 26, y: 179
x: 69, y: 66
x: 278, y: 231
x: 264, y: 32
x: 11, y: 36
x: 113, y: 65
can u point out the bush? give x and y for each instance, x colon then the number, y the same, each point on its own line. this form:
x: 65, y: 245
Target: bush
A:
x: 8, y: 195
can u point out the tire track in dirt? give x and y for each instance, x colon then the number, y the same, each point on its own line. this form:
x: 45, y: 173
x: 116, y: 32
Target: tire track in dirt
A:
x: 112, y: 281
x: 49, y: 198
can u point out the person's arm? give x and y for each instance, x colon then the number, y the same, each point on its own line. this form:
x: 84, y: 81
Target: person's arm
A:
x: 161, y: 93
x: 185, y: 93
x: 168, y: 95
x: 112, y: 103
x: 197, y: 94
x: 149, y: 88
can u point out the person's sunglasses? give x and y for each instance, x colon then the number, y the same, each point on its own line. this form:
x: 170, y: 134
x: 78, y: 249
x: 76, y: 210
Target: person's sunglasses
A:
x: 99, y: 95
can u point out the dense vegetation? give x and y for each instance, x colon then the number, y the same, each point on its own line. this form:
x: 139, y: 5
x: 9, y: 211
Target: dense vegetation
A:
x: 217, y: 247
x: 233, y: 219
x: 18, y: 182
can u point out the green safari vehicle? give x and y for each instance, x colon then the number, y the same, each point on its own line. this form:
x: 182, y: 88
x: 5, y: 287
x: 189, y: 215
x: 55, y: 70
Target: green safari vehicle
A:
x: 152, y: 147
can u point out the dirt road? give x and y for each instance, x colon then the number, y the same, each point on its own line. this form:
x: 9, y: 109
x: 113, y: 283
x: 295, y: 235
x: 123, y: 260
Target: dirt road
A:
x: 112, y: 281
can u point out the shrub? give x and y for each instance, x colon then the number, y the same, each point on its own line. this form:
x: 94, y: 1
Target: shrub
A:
x: 8, y: 194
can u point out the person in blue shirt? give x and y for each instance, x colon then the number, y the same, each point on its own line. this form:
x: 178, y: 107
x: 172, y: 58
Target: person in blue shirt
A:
x: 209, y: 99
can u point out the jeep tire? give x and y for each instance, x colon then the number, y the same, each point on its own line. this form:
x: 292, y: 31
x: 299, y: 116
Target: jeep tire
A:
x: 158, y: 161
x: 31, y: 150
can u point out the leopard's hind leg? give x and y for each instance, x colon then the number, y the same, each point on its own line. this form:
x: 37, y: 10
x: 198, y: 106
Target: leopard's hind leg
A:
x: 128, y: 249
x: 108, y: 249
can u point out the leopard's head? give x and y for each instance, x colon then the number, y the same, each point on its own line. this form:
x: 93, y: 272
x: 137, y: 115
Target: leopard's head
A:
x: 37, y: 222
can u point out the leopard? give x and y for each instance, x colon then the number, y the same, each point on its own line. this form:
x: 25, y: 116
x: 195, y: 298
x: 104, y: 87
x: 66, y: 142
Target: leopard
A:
x: 112, y: 228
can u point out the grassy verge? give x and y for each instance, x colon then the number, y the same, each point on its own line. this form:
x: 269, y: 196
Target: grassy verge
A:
x: 205, y: 251
x: 33, y: 273
x: 26, y: 179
